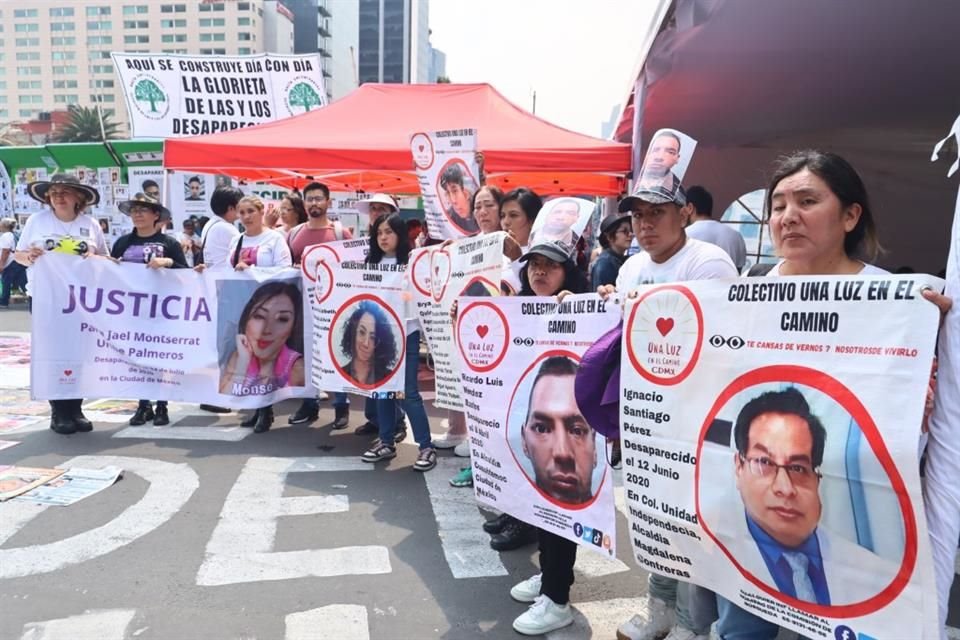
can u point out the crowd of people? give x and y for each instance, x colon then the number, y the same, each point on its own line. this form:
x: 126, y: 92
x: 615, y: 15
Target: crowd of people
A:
x: 820, y: 220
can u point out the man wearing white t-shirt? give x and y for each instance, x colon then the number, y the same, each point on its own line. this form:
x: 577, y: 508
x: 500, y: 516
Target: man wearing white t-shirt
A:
x: 668, y: 256
x: 219, y: 232
x: 704, y: 227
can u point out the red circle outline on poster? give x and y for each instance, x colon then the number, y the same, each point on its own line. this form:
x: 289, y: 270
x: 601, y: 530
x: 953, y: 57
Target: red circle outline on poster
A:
x: 836, y: 391
x: 505, y: 331
x: 322, y: 264
x: 330, y: 349
x: 475, y: 184
x: 698, y: 316
x: 413, y: 273
x: 427, y: 142
x: 513, y: 398
x: 306, y: 254
x: 433, y: 275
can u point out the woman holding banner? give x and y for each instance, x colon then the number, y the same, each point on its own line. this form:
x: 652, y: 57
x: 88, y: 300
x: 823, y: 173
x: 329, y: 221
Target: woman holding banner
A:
x: 292, y: 213
x: 263, y: 356
x: 65, y: 228
x: 148, y: 244
x: 822, y: 225
x: 548, y: 270
x: 390, y: 244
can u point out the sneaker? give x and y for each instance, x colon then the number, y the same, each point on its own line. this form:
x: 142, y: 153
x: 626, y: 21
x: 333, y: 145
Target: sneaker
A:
x: 307, y: 412
x: 462, y: 450
x: 401, y: 433
x: 379, y: 452
x: 426, y: 459
x: 367, y: 429
x: 322, y: 395
x: 682, y: 633
x: 341, y: 417
x: 543, y: 616
x: 515, y: 535
x: 462, y: 479
x: 528, y: 590
x: 654, y: 625
x: 448, y: 442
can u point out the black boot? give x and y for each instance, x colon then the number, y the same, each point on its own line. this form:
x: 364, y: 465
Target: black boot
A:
x: 60, y: 420
x: 341, y: 417
x: 80, y: 421
x: 514, y: 535
x: 264, y: 420
x: 161, y: 417
x: 143, y: 415
x: 308, y: 411
x: 252, y: 420
x: 497, y: 524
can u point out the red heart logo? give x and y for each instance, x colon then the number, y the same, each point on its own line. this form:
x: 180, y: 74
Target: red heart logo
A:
x: 68, y: 372
x: 421, y: 148
x: 483, y: 330
x: 664, y: 325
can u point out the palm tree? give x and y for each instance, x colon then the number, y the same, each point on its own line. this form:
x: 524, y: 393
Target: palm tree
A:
x: 84, y: 126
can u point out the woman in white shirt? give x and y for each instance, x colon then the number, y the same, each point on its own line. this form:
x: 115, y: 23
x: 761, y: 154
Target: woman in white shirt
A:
x: 258, y: 248
x: 65, y: 228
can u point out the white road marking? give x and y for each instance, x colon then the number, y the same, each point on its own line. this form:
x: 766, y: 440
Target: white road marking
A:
x: 598, y: 619
x: 171, y: 485
x: 15, y: 514
x: 594, y: 565
x: 340, y: 621
x: 240, y: 548
x: 228, y: 434
x: 110, y: 624
x: 465, y: 545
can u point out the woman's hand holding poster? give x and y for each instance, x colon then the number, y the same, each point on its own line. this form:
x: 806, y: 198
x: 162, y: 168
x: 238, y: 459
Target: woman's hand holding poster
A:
x: 107, y: 330
x: 359, y: 327
x: 534, y: 454
x: 447, y: 169
x: 438, y: 276
x: 770, y: 429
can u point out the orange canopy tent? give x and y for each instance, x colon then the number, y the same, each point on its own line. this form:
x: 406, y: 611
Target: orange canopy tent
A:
x: 362, y: 143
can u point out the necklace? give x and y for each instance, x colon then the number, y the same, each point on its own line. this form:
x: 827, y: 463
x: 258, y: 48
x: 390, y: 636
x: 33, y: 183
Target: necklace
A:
x: 67, y: 229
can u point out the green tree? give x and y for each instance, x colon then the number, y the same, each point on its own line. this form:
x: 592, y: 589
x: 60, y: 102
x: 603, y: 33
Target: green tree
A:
x: 303, y: 95
x: 84, y: 126
x: 149, y: 91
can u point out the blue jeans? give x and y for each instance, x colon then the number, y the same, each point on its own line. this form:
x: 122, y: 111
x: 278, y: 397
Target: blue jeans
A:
x: 340, y: 399
x: 676, y: 593
x: 13, y: 276
x: 412, y: 403
x: 737, y: 624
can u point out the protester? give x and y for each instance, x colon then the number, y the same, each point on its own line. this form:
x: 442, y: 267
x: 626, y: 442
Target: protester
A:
x: 519, y: 210
x: 190, y: 242
x: 292, y: 213
x: 389, y: 244
x: 215, y: 241
x: 616, y: 234
x: 486, y: 208
x: 548, y: 271
x: 13, y: 275
x: 147, y: 244
x: 703, y: 227
x: 377, y: 205
x: 821, y: 224
x: 318, y: 229
x: 65, y: 228
x: 668, y: 256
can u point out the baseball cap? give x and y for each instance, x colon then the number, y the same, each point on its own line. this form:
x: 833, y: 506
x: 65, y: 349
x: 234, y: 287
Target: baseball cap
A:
x: 653, y: 195
x: 550, y: 250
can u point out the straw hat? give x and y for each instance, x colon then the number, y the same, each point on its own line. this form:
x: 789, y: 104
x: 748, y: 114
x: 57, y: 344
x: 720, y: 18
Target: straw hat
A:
x: 143, y: 200
x: 38, y: 190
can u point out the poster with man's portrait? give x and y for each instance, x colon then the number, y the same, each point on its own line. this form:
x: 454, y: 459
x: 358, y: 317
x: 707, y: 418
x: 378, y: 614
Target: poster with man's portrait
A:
x: 449, y: 176
x: 543, y: 461
x: 665, y: 162
x: 562, y: 221
x: 770, y: 431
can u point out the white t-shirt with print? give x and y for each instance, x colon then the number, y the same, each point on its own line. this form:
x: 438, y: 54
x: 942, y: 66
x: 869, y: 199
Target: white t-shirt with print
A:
x: 215, y: 240
x: 46, y: 230
x: 696, y: 260
x: 268, y: 249
x: 8, y: 241
x: 868, y: 270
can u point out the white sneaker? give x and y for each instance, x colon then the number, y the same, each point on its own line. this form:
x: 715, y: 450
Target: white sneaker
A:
x: 682, y: 633
x: 462, y: 450
x: 447, y: 442
x: 543, y: 616
x: 654, y: 625
x: 322, y: 395
x: 528, y: 590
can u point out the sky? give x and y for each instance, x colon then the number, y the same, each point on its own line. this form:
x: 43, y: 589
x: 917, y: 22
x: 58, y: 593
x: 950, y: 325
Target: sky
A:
x: 577, y: 55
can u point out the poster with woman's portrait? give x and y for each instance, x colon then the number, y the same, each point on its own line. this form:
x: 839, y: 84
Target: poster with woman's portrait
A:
x: 543, y: 461
x: 361, y: 346
x: 260, y: 337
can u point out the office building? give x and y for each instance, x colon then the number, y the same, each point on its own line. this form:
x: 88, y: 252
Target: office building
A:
x: 394, y: 41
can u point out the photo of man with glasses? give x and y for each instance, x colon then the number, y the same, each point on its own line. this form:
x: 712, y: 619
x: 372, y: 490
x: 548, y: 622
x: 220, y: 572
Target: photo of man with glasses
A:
x: 777, y: 536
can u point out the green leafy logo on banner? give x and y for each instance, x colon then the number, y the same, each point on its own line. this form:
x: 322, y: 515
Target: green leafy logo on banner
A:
x: 148, y: 91
x: 303, y: 95
x: 149, y: 98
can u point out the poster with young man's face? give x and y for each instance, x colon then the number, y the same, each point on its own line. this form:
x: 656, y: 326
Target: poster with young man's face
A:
x: 449, y: 176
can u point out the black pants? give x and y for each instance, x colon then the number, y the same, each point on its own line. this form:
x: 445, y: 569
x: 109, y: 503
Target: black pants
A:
x: 557, y: 556
x: 66, y: 407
